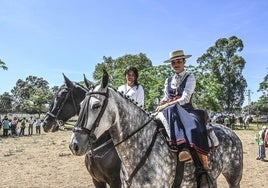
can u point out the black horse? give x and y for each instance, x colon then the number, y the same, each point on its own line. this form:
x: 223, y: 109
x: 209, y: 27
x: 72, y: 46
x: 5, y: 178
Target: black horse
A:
x: 102, y: 160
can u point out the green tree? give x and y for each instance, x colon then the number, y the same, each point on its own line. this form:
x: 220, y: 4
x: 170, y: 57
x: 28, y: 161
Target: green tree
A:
x: 6, y: 103
x: 31, y: 95
x: 3, y: 65
x: 207, y: 90
x: 261, y: 106
x: 222, y: 62
x: 153, y: 79
x: 38, y: 100
x: 116, y: 67
x: 264, y: 85
x: 54, y: 89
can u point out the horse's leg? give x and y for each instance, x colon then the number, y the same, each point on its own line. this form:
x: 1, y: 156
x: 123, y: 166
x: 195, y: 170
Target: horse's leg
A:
x: 233, y: 176
x: 115, y: 184
x: 96, y: 183
x: 99, y: 184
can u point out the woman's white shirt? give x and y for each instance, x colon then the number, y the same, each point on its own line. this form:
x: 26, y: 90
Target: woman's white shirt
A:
x: 135, y: 92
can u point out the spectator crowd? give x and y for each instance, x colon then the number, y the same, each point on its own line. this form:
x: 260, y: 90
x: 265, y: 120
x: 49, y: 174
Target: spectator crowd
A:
x: 16, y: 127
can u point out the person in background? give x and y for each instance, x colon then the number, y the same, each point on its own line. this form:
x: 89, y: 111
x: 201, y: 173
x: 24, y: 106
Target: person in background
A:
x: 22, y: 126
x: 1, y: 122
x: 37, y: 126
x: 13, y: 126
x: 227, y: 121
x: 30, y: 128
x: 260, y: 139
x: 132, y: 88
x: 5, y: 126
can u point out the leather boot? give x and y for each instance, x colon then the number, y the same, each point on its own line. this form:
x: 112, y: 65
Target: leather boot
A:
x: 204, y: 160
x: 185, y: 156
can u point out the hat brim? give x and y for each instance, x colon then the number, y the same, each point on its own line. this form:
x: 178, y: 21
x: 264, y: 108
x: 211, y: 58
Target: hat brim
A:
x: 181, y: 57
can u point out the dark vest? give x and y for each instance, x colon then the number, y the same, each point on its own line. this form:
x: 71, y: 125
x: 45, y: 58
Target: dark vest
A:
x: 174, y: 94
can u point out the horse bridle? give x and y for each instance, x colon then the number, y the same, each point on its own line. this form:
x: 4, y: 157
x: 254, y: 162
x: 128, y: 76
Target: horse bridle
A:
x: 84, y: 129
x: 55, y: 116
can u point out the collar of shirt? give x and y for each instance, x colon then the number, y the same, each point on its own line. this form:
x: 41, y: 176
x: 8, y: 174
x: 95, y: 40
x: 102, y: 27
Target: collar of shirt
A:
x: 181, y: 74
x: 177, y: 79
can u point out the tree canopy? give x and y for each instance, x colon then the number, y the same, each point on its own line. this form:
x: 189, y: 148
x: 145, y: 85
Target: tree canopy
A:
x: 261, y: 106
x: 31, y: 95
x: 3, y: 65
x: 224, y: 67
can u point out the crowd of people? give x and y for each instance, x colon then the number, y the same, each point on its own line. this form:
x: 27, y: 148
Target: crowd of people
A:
x: 16, y: 127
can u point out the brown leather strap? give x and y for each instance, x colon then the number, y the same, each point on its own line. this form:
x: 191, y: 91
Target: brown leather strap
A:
x: 143, y: 159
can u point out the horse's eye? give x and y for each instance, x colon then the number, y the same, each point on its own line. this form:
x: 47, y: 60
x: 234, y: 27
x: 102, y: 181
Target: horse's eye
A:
x: 96, y: 106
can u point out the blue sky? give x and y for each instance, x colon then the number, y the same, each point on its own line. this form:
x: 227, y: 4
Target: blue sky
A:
x: 46, y: 38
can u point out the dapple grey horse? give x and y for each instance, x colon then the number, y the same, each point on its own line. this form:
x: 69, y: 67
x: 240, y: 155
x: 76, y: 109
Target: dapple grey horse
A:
x: 146, y: 159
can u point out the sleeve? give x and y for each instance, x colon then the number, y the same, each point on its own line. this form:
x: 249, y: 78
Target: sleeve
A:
x: 140, y: 96
x: 121, y: 89
x: 165, y: 98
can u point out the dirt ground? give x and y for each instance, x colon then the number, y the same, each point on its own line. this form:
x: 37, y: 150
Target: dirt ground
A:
x: 46, y: 161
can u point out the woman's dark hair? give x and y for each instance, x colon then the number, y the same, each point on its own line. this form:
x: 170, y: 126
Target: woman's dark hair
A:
x: 135, y: 70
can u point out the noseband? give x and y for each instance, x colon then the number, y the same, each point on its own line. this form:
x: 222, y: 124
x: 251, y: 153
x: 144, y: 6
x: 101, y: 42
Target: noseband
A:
x: 83, y: 129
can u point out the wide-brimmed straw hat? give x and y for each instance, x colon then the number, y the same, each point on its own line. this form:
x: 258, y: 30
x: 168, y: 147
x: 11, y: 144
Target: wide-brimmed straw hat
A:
x: 178, y: 54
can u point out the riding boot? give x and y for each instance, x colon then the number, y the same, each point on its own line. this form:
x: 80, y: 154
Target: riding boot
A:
x: 204, y: 160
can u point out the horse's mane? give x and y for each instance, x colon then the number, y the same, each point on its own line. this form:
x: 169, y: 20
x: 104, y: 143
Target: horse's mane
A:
x: 76, y: 84
x: 130, y: 101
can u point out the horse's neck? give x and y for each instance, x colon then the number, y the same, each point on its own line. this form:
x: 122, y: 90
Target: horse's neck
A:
x: 80, y: 93
x: 143, y: 153
x: 102, y: 139
x: 130, y: 115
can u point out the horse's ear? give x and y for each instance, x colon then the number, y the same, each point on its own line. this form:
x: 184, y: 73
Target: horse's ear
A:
x: 88, y: 83
x: 105, y: 79
x: 68, y: 82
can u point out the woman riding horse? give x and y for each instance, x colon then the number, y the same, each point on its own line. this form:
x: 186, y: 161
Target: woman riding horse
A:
x: 184, y: 127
